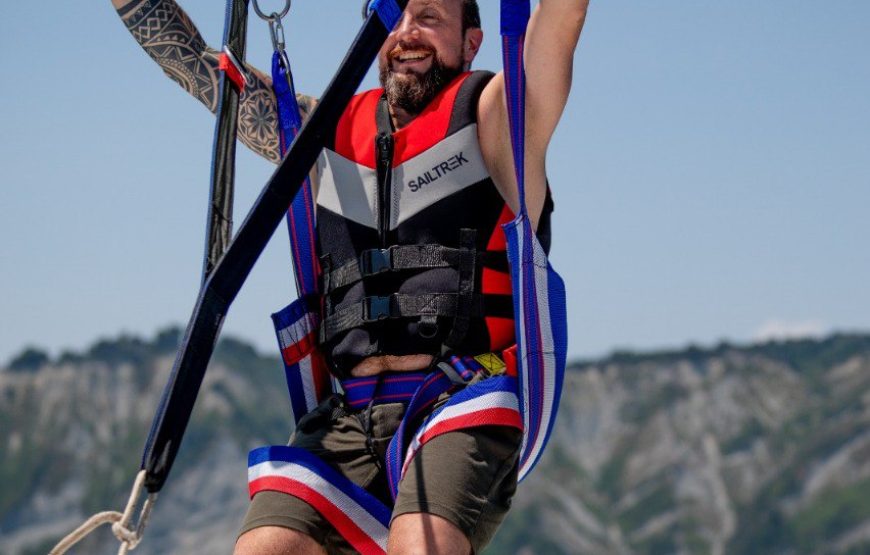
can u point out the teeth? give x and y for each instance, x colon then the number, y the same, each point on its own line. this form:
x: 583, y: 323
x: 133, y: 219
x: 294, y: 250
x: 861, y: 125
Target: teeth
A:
x: 412, y: 56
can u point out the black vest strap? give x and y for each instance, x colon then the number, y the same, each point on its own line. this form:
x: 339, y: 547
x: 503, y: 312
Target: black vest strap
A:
x: 400, y: 305
x: 400, y: 258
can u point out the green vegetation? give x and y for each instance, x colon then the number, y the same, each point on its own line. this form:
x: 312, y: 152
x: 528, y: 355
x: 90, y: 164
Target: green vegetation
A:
x: 744, y: 440
x: 41, y: 548
x: 813, y: 357
x: 693, y: 541
x: 522, y: 530
x: 806, y: 355
x: 125, y: 349
x: 610, y: 477
x: 661, y: 544
x: 831, y: 514
x: 36, y: 462
x: 655, y: 503
x: 30, y: 359
x: 167, y: 341
x: 764, y: 529
x: 111, y: 471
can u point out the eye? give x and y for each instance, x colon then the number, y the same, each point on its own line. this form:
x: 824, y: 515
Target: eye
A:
x: 428, y: 16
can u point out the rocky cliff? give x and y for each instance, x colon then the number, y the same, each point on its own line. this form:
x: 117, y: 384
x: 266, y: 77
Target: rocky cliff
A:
x: 760, y: 449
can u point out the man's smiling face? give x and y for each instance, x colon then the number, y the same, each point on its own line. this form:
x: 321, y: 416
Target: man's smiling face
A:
x: 427, y: 49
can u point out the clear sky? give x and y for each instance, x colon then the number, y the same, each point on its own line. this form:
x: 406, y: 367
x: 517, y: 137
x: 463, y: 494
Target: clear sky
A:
x: 711, y: 172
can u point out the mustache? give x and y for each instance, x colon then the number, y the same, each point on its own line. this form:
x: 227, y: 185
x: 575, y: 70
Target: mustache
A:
x: 404, y: 47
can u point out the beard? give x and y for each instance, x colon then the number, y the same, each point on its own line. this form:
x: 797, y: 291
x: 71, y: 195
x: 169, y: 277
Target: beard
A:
x: 413, y: 91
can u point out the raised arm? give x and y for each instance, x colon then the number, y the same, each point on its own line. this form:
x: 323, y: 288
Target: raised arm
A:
x: 551, y: 39
x: 168, y: 35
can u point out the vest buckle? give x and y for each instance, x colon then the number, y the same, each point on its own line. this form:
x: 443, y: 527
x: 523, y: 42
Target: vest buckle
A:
x: 376, y: 308
x: 375, y: 261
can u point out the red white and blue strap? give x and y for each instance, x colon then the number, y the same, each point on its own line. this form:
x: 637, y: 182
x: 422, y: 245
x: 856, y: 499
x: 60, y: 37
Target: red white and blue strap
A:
x: 356, y: 514
x: 473, y: 405
x: 539, y: 292
x: 426, y: 395
x: 308, y: 381
x: 492, y: 402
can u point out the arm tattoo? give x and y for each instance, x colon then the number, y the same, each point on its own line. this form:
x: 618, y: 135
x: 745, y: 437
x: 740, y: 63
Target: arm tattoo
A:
x: 168, y: 35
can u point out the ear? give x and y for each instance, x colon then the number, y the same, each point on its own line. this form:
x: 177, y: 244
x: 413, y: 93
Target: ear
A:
x: 471, y: 45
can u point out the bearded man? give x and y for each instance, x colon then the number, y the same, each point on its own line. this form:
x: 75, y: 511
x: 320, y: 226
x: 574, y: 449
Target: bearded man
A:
x: 424, y: 161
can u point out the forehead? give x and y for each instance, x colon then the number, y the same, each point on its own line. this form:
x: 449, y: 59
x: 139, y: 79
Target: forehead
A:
x: 450, y: 6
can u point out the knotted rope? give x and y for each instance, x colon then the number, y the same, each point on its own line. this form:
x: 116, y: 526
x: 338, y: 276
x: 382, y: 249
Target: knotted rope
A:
x: 129, y: 537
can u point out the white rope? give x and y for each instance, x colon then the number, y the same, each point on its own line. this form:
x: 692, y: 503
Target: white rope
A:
x: 128, y: 537
x: 89, y: 526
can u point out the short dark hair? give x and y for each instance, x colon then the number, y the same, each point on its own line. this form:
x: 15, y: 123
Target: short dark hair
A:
x: 470, y: 15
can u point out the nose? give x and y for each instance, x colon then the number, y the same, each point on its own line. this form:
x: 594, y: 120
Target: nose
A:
x: 405, y: 27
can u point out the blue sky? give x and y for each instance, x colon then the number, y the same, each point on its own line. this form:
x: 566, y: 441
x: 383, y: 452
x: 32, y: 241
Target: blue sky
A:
x: 711, y: 173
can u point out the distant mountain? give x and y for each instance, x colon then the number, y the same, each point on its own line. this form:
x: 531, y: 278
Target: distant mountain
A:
x: 761, y: 449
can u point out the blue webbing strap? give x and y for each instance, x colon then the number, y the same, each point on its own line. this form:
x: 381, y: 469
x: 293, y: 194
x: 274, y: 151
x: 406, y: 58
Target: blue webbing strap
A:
x: 300, y: 215
x: 388, y: 11
x: 514, y: 20
x: 539, y: 293
x: 389, y: 388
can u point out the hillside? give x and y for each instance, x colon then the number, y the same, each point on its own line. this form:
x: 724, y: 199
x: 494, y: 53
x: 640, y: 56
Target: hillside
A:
x: 760, y: 449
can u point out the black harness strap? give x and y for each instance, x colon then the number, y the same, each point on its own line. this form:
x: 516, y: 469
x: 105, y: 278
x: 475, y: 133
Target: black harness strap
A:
x: 219, y: 229
x: 225, y: 281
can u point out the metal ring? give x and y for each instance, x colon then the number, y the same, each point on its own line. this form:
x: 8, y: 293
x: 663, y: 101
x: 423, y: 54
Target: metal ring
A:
x: 265, y: 17
x: 365, y: 9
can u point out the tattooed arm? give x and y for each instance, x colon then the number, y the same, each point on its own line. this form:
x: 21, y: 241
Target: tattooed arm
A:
x: 168, y: 35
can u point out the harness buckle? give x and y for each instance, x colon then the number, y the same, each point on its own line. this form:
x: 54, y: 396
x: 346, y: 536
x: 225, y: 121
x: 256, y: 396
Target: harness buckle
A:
x: 376, y: 308
x: 375, y: 261
x: 492, y: 364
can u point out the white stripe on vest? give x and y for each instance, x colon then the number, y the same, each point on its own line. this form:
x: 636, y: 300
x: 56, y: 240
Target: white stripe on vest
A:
x: 351, y: 190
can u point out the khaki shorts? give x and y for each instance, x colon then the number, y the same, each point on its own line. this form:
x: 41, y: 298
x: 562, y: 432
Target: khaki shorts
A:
x: 467, y: 477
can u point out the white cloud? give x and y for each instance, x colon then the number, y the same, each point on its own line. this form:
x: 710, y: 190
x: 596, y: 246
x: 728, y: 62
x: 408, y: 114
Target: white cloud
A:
x: 783, y: 329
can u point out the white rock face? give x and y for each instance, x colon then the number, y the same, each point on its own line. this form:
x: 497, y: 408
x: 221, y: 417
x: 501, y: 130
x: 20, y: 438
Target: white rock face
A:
x: 690, y: 452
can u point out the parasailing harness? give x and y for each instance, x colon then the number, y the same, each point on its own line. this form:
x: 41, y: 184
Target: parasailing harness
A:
x: 523, y: 395
x: 522, y: 392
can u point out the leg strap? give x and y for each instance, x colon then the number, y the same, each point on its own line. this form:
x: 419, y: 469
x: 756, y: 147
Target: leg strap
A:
x: 356, y: 514
x: 491, y: 402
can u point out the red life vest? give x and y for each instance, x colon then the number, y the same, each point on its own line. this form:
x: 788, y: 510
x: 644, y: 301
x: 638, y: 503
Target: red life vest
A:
x: 409, y: 231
